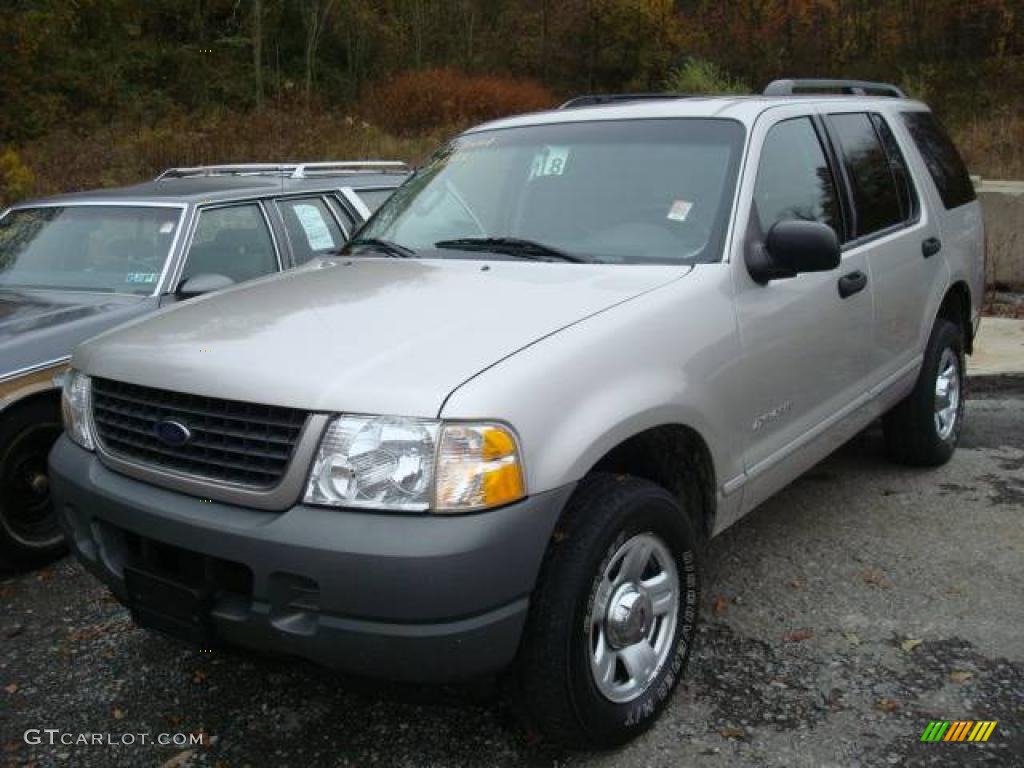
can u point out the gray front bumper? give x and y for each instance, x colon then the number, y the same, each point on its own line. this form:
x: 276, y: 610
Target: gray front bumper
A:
x: 424, y: 598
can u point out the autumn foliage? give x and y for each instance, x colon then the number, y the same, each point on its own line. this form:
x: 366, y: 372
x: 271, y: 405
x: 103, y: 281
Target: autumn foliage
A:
x: 103, y: 92
x: 421, y: 101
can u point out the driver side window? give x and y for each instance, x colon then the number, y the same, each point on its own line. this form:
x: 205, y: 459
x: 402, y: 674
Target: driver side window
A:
x: 794, y: 180
x: 233, y: 242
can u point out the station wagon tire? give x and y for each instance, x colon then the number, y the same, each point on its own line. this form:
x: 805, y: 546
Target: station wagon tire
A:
x: 618, y: 592
x: 29, y: 533
x: 923, y: 430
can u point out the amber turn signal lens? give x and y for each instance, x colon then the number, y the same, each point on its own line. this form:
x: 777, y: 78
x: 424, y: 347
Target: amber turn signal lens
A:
x: 478, y: 467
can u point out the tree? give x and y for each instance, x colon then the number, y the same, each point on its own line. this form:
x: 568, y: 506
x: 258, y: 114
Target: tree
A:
x: 315, y: 14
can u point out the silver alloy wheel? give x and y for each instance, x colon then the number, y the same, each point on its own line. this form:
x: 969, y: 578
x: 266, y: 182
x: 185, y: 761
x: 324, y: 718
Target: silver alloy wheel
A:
x: 633, y: 618
x: 947, y: 394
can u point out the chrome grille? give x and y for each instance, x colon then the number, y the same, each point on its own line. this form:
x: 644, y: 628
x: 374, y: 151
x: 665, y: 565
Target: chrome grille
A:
x: 231, y: 441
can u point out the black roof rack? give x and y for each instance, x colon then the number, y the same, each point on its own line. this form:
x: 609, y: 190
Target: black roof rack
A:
x: 596, y: 99
x: 851, y: 87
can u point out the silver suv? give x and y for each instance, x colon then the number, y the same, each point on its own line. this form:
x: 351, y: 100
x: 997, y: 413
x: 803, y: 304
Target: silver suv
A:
x: 497, y: 431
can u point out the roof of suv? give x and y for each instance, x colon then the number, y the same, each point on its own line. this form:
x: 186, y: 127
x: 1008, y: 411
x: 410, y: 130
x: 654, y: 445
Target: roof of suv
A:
x: 746, y: 109
x: 222, y: 188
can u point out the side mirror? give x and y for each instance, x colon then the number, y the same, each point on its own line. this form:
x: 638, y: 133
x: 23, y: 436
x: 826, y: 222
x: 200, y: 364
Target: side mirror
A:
x: 793, y: 247
x: 197, y: 285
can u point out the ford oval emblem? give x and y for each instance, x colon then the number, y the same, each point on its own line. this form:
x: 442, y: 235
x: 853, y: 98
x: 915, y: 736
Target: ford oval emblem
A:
x: 172, y: 433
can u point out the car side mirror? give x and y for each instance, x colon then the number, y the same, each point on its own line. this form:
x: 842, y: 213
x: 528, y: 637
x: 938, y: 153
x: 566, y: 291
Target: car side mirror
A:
x: 793, y: 247
x: 206, y: 282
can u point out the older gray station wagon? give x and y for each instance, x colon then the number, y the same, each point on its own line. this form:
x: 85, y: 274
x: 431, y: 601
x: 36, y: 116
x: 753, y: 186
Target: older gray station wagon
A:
x: 495, y: 432
x: 74, y: 265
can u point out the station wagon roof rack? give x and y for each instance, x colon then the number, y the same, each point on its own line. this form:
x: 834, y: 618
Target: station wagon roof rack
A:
x: 288, y: 170
x: 596, y: 99
x: 850, y: 87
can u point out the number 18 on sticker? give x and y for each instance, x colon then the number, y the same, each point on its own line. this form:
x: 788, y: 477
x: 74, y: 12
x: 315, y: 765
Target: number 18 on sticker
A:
x: 550, y: 161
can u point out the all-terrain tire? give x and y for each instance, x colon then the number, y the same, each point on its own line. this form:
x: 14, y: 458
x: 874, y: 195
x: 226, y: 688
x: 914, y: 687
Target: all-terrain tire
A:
x: 915, y: 433
x: 556, y: 688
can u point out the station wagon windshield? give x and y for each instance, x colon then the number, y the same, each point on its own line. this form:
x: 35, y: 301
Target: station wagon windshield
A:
x: 654, y: 191
x: 112, y: 249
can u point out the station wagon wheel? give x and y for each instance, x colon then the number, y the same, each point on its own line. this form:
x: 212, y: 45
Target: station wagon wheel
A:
x: 613, y: 616
x: 29, y: 533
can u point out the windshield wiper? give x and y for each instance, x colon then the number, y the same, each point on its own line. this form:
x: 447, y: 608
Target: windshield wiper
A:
x: 390, y: 247
x: 512, y: 246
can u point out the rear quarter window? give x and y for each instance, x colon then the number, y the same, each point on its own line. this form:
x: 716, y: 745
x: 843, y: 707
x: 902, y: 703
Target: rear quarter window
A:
x: 374, y: 198
x: 942, y: 159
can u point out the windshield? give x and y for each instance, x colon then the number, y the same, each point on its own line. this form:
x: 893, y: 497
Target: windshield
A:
x: 114, y: 249
x: 622, y: 192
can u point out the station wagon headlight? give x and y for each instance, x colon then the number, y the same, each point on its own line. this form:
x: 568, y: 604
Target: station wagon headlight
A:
x: 76, y: 396
x: 415, y: 465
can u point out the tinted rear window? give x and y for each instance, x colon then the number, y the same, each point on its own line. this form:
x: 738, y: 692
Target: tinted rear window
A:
x: 898, y: 165
x: 874, y: 187
x: 940, y: 155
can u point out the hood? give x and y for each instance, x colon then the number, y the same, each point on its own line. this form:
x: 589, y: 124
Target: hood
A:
x: 367, y: 335
x: 38, y: 326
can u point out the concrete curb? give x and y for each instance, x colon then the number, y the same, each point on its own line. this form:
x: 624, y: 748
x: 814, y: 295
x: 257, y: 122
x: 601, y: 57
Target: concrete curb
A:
x: 990, y: 383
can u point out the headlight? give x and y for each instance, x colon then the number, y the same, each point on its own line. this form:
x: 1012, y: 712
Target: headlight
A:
x: 394, y: 463
x: 75, y: 399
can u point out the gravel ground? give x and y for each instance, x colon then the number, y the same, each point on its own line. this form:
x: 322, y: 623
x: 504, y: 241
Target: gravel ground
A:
x: 840, y: 618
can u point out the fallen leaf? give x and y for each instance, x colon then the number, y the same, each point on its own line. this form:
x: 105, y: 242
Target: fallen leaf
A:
x: 960, y: 676
x: 887, y: 705
x: 852, y: 638
x: 179, y: 759
x: 199, y: 676
x: 118, y: 714
x: 910, y: 644
x: 796, y: 584
x: 719, y: 606
x: 731, y: 732
x: 799, y: 635
x: 876, y: 578
x: 12, y: 688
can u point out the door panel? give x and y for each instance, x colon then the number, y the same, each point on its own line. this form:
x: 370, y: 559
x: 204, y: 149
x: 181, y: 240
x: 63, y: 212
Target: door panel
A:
x: 890, y: 233
x: 807, y: 351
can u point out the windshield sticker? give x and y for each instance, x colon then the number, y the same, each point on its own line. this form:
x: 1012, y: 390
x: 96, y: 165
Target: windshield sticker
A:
x: 680, y: 210
x: 166, y: 228
x: 313, y: 224
x: 143, y: 278
x: 550, y: 161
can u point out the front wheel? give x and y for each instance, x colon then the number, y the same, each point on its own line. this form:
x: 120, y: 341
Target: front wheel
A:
x: 923, y: 430
x: 614, y: 614
x: 29, y: 534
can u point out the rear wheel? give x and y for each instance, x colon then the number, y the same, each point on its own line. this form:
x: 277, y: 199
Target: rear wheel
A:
x: 613, y: 617
x: 924, y: 429
x: 29, y: 533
